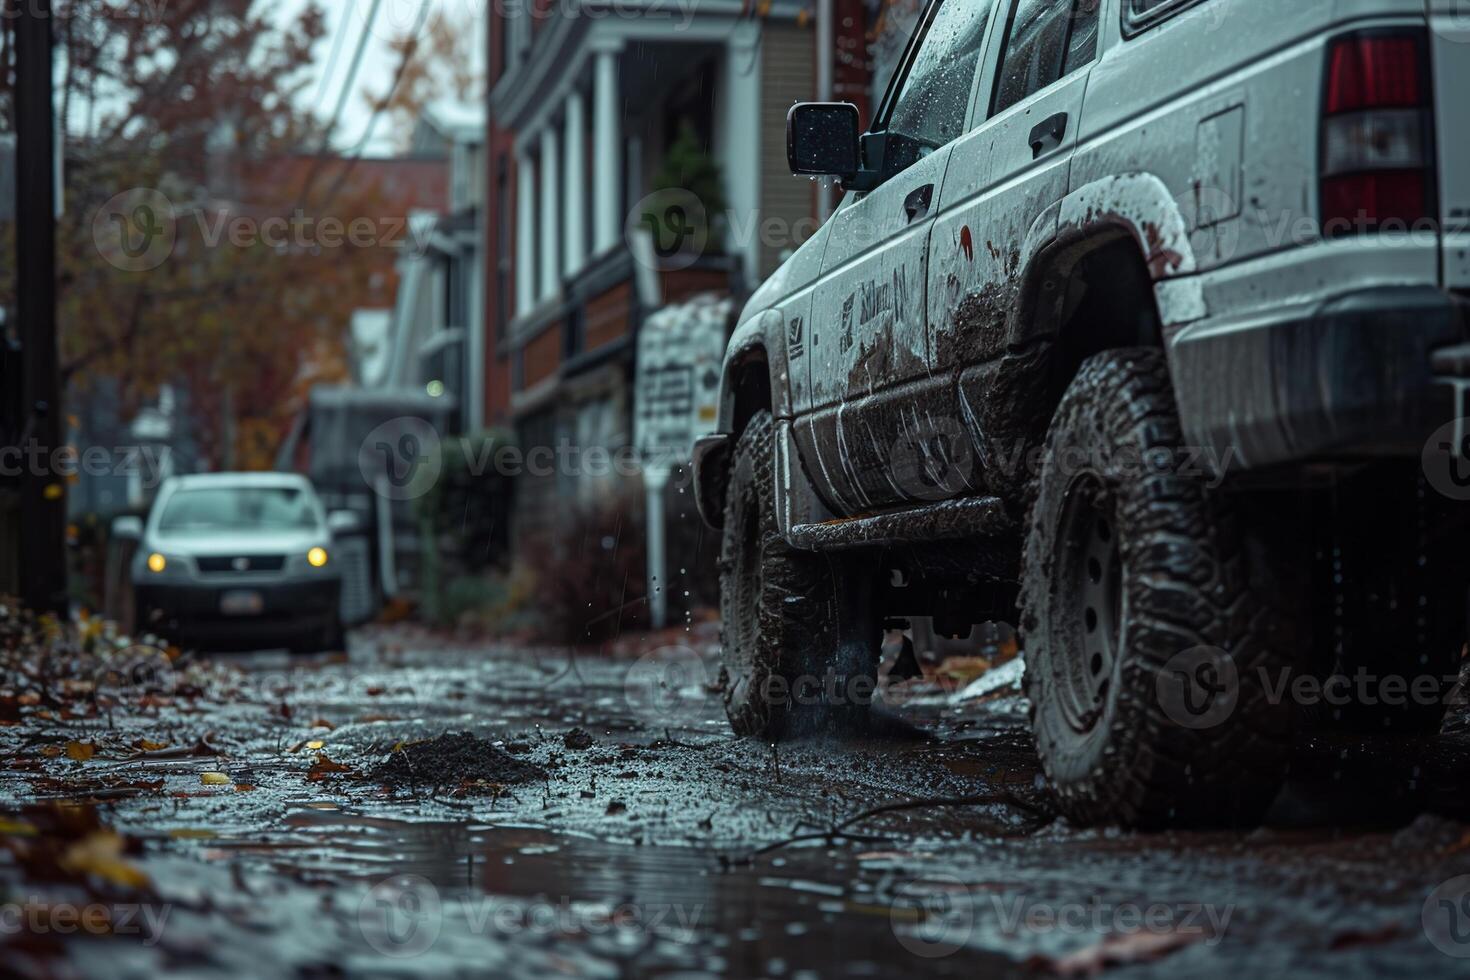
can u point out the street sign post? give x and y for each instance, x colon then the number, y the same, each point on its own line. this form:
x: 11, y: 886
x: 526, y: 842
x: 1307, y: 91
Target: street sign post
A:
x: 676, y: 400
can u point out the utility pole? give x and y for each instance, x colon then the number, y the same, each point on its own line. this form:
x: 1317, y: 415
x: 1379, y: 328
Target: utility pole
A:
x: 43, y: 491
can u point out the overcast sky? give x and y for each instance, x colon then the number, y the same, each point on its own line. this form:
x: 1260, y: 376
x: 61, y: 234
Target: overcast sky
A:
x: 350, y: 17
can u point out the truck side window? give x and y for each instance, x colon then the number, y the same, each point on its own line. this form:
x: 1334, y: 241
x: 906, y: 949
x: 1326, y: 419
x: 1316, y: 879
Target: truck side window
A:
x: 930, y: 108
x: 1046, y: 40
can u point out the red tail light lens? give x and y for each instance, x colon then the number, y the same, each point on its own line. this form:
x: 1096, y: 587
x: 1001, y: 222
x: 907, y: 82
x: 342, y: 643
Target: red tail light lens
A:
x: 1377, y: 167
x: 1373, y: 73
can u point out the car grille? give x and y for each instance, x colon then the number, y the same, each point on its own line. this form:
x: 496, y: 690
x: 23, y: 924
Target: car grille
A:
x: 242, y: 563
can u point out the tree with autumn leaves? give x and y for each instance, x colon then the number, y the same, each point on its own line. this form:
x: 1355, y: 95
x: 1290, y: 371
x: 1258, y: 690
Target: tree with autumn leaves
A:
x: 185, y: 122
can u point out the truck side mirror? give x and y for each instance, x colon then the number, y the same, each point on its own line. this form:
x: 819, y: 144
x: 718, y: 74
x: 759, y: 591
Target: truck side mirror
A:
x: 822, y: 139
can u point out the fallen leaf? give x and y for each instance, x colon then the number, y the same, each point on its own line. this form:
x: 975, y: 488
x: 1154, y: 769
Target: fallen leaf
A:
x: 148, y: 746
x: 315, y: 744
x: 80, y: 751
x: 100, y: 854
x: 1117, y: 949
x: 17, y: 828
x: 323, y: 766
x: 214, y: 779
x: 1351, y: 938
x: 192, y: 833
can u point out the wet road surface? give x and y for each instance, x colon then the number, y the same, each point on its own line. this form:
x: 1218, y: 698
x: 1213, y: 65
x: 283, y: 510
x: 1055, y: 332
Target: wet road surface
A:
x: 656, y: 844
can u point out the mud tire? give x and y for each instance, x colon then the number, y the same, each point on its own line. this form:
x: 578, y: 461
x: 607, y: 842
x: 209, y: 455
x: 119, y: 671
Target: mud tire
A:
x: 781, y: 610
x: 1196, y: 590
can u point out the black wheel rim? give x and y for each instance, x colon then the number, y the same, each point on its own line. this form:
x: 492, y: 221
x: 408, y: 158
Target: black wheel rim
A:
x: 1089, y: 584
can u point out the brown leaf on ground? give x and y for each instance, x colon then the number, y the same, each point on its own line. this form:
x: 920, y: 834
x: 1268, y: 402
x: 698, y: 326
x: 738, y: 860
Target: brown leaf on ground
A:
x: 100, y: 854
x: 1353, y: 938
x: 1118, y: 949
x: 80, y: 751
x: 324, y: 767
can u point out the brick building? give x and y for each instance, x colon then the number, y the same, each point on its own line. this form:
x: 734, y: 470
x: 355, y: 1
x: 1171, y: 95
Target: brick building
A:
x: 587, y: 102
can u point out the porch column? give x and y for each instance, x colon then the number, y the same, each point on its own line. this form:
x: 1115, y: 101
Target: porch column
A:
x: 525, y: 232
x: 550, y: 186
x: 608, y: 153
x: 574, y: 199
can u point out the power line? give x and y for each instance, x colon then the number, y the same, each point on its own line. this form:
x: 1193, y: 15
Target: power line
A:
x: 321, y: 88
x: 352, y: 70
x: 408, y: 55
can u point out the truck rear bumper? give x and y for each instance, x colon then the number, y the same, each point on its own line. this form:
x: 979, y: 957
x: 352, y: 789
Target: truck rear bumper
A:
x: 1356, y: 376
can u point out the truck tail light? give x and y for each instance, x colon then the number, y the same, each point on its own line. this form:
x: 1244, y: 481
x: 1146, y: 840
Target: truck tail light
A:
x: 1376, y: 157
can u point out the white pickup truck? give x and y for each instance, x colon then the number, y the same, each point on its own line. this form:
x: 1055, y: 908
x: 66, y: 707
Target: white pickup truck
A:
x: 1141, y: 324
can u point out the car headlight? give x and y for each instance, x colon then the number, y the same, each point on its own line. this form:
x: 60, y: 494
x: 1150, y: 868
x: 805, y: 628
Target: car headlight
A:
x: 156, y: 562
x: 317, y: 557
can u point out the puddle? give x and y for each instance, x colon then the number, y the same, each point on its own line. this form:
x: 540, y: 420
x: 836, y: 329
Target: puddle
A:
x: 648, y: 909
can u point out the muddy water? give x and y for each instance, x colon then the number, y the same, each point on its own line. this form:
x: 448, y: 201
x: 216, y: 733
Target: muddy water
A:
x: 661, y: 846
x: 435, y: 889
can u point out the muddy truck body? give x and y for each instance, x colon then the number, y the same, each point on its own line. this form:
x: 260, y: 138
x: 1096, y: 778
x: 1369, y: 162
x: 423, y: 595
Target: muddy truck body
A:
x: 1140, y: 324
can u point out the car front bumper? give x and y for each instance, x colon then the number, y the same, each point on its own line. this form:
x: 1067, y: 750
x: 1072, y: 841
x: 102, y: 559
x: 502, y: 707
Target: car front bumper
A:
x: 1365, y: 374
x: 193, y: 612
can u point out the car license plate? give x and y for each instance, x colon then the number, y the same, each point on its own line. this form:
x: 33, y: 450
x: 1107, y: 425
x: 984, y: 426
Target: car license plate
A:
x: 241, y: 602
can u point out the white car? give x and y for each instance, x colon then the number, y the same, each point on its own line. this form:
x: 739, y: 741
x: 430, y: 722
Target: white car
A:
x: 237, y: 561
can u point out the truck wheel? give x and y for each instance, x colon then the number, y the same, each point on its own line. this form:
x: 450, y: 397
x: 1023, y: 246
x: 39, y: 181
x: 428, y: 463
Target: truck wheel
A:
x: 785, y: 667
x: 1148, y: 620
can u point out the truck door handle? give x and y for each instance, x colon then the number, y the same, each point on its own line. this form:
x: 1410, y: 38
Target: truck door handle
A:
x: 1048, y: 134
x: 916, y: 205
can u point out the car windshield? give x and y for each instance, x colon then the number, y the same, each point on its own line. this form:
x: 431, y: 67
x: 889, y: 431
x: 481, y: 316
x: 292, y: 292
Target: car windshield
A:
x: 238, y: 508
